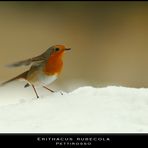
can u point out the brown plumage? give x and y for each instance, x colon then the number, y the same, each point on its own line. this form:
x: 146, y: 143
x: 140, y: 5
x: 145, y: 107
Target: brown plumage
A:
x: 44, y: 69
x: 23, y: 75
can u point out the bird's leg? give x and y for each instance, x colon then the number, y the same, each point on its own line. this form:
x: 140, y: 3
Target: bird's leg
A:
x: 51, y: 90
x: 28, y: 83
x: 35, y: 90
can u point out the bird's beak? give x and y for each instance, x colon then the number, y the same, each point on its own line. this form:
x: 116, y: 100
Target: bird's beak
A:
x: 67, y: 48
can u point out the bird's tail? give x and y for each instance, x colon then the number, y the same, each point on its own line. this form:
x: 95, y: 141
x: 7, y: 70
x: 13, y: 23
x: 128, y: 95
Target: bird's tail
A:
x: 22, y: 75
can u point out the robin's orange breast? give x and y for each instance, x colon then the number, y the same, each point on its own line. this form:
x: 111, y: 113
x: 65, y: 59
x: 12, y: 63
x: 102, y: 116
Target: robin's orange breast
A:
x: 54, y: 64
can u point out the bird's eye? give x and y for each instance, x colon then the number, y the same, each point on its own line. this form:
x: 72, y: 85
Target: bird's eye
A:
x: 57, y: 49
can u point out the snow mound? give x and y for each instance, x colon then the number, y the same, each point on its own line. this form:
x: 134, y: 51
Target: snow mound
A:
x: 87, y: 109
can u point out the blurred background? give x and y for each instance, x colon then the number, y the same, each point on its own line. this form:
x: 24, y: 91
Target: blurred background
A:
x: 109, y: 40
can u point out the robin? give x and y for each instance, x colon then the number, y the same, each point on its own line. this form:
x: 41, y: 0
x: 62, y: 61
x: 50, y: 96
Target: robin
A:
x: 44, y: 69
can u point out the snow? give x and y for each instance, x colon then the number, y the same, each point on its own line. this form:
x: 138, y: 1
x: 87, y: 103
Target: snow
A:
x: 112, y: 109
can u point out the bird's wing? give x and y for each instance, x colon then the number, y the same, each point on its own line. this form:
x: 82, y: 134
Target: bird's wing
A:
x: 27, y: 62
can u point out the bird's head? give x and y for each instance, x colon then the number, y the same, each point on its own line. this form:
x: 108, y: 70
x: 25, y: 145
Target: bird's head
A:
x: 58, y: 49
x: 55, y: 50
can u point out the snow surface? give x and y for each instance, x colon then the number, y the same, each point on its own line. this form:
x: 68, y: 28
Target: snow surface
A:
x: 87, y: 109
